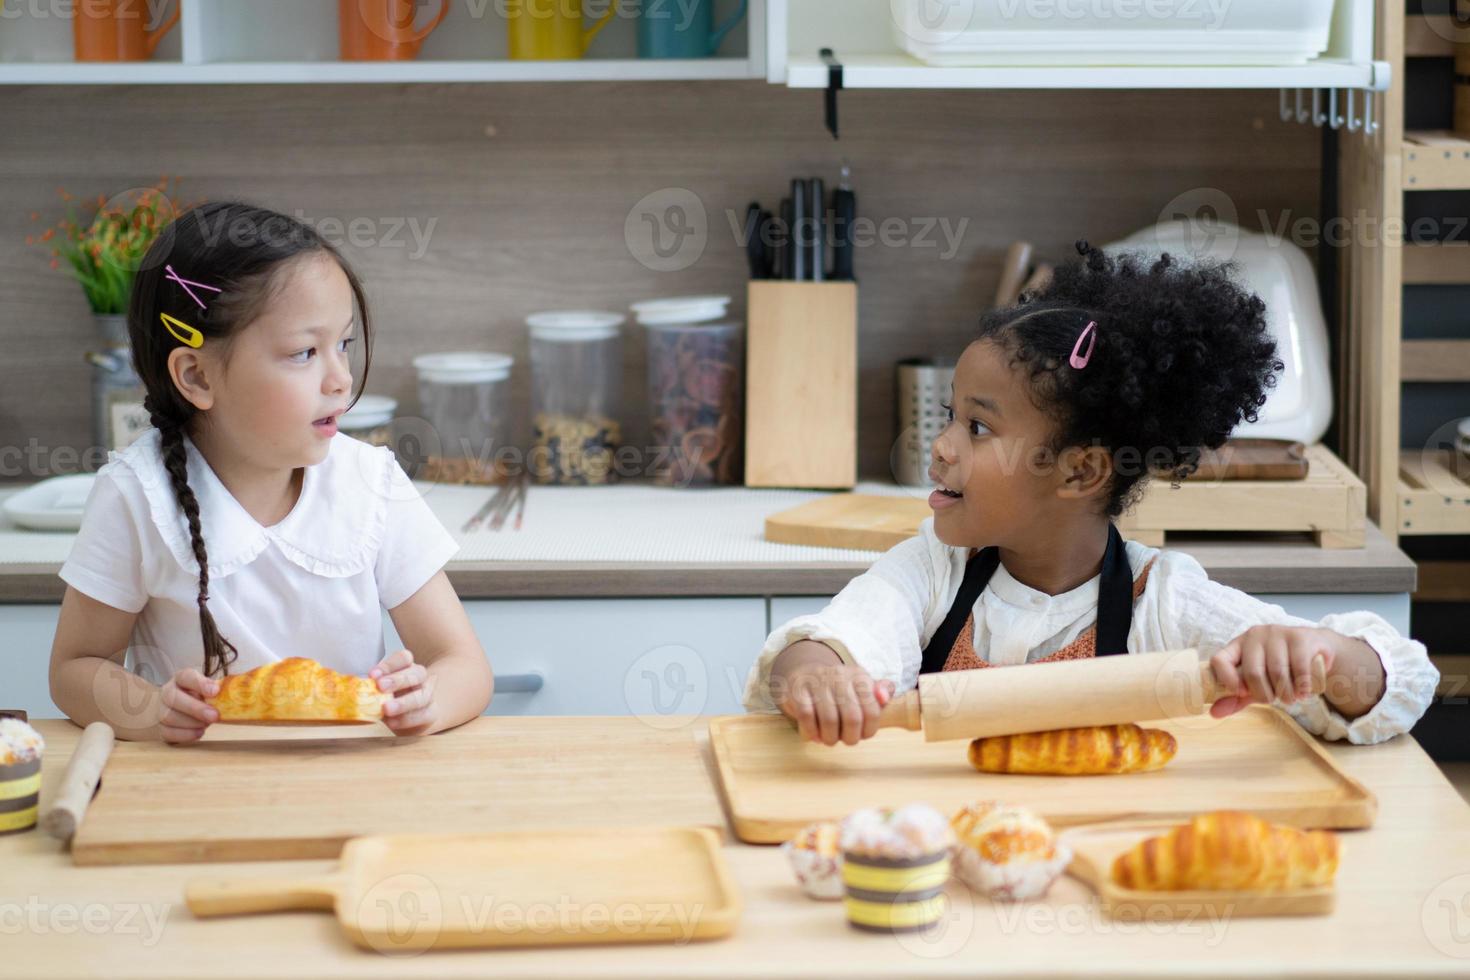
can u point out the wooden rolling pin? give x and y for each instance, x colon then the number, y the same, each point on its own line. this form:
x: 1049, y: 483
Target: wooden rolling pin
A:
x: 1067, y: 694
x: 79, y: 782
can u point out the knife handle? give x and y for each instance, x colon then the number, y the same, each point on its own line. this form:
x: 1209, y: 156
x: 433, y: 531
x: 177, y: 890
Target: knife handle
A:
x: 902, y: 712
x: 844, y: 213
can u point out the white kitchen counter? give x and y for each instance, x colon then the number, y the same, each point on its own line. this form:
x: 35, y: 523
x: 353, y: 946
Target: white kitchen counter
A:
x: 642, y: 540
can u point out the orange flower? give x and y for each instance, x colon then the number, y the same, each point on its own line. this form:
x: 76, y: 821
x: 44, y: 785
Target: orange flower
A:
x: 55, y: 264
x: 48, y: 235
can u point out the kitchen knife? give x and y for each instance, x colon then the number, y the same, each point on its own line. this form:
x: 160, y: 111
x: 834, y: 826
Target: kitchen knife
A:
x: 754, y: 248
x: 1067, y: 694
x: 817, y: 205
x: 844, y: 213
x: 801, y: 244
x: 784, y: 244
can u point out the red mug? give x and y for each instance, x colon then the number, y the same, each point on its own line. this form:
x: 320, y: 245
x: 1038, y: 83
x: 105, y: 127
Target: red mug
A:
x: 117, y: 30
x: 382, y: 30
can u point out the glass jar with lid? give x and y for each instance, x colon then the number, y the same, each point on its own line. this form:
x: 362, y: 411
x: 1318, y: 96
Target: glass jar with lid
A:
x: 465, y: 398
x: 696, y: 378
x: 576, y: 384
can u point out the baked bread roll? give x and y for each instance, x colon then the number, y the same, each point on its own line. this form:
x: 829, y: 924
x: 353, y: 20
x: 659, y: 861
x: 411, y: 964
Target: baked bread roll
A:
x: 297, y: 689
x: 1099, y: 750
x: 1229, y: 851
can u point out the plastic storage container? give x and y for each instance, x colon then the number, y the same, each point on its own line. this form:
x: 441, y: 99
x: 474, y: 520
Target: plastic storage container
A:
x: 696, y: 375
x: 577, y: 373
x: 1242, y: 32
x: 465, y: 397
x: 370, y: 420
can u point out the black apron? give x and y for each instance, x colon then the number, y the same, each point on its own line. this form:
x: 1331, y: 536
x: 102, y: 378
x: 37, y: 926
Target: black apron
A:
x: 1114, y: 603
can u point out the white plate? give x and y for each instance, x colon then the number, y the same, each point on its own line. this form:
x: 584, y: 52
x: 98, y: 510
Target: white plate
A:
x: 56, y: 504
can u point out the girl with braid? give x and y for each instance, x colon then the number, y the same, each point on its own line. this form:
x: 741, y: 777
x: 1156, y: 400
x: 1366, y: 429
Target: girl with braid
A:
x: 241, y: 529
x: 1061, y: 406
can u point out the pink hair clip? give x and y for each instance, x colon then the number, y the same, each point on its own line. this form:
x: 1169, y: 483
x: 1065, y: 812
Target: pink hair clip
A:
x: 1077, y: 360
x: 186, y: 283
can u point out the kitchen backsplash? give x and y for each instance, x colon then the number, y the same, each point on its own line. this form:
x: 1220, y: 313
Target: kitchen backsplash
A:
x: 467, y: 207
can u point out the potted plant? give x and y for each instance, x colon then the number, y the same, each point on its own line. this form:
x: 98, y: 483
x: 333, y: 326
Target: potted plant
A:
x: 105, y: 247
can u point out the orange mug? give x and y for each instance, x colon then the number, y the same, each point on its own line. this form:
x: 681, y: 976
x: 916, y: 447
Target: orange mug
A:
x: 117, y: 30
x: 382, y: 30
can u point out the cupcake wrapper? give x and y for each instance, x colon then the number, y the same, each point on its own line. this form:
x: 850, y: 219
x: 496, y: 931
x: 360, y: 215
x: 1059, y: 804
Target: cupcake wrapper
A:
x: 20, y: 794
x: 820, y: 876
x: 1015, y: 881
x: 889, y: 895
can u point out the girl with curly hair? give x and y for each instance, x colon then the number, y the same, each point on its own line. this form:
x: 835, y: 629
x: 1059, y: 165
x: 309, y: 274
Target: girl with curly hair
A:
x: 1061, y: 406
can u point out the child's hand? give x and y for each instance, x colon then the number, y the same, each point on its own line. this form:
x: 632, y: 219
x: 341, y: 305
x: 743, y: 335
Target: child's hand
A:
x: 834, y: 702
x: 1269, y: 663
x: 411, y: 709
x: 185, y: 715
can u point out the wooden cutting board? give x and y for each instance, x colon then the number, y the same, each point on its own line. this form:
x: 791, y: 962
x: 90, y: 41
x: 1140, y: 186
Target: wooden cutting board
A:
x: 1095, y: 848
x: 865, y: 522
x: 280, y: 798
x: 408, y: 893
x: 1257, y: 760
x: 875, y: 522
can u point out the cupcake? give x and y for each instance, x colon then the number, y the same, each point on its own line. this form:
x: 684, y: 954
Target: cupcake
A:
x: 894, y: 867
x: 20, y: 775
x: 816, y: 859
x: 1006, y: 852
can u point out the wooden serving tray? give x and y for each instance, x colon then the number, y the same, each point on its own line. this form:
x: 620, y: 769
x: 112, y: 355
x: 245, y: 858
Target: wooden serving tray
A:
x: 282, y: 796
x: 1094, y: 849
x: 413, y: 892
x: 1257, y: 760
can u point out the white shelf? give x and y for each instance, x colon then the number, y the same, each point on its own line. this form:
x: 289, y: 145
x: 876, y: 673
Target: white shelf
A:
x: 902, y: 71
x: 267, y: 72
x: 861, y: 35
x: 296, y: 41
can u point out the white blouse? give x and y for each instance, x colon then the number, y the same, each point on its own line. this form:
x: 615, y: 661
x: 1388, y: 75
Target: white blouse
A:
x: 359, y: 540
x: 885, y: 617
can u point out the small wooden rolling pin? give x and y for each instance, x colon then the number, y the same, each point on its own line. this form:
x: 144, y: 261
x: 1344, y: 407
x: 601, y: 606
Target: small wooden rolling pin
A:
x: 1066, y: 694
x: 79, y: 781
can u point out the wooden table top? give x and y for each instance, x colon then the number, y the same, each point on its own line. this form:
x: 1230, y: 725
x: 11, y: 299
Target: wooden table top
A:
x: 1403, y: 909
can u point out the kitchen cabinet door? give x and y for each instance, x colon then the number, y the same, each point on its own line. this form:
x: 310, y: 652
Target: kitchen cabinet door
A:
x: 28, y: 631
x: 653, y: 658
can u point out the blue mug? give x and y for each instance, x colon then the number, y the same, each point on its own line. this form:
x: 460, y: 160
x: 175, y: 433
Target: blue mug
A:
x: 682, y: 28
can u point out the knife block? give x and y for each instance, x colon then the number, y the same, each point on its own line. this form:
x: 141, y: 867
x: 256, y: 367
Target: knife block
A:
x: 801, y: 385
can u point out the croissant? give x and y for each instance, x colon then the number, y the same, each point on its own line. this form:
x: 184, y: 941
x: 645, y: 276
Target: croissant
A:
x: 297, y: 689
x: 1075, y: 751
x: 1229, y: 851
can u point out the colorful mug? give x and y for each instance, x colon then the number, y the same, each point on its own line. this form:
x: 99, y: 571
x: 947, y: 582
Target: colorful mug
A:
x: 551, y: 30
x: 382, y: 30
x: 117, y: 30
x: 682, y: 28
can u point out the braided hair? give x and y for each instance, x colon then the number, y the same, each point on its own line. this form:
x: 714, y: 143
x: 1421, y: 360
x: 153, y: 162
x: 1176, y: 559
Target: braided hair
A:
x: 245, y: 251
x: 1182, y: 355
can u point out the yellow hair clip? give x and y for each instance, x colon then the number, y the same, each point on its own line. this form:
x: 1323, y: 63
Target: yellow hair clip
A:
x: 182, y: 332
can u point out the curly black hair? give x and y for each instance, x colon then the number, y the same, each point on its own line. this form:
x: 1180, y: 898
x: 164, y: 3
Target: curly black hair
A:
x: 1182, y: 354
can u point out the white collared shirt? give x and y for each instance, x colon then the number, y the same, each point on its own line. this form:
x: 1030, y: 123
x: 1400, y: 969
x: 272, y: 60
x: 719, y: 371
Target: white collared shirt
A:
x: 882, y: 620
x: 359, y: 540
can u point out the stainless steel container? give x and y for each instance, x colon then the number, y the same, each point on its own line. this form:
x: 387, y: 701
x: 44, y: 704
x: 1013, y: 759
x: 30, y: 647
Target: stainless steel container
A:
x: 923, y: 387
